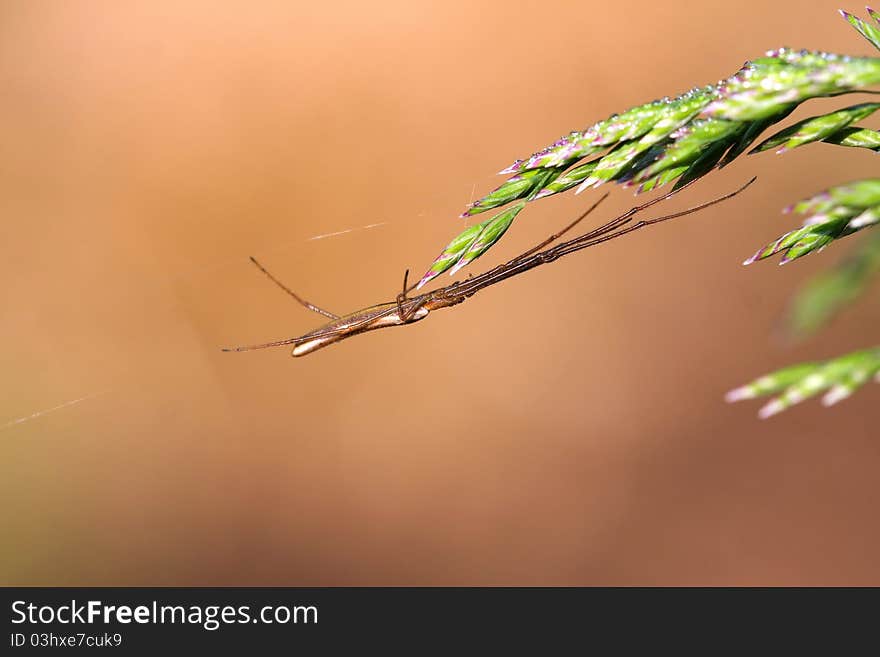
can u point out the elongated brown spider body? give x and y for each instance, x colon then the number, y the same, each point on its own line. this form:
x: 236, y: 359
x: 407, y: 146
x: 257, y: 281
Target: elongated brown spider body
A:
x: 407, y: 310
x: 361, y: 321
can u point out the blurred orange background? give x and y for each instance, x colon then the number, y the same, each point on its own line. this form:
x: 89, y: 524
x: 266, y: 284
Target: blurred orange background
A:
x: 564, y: 428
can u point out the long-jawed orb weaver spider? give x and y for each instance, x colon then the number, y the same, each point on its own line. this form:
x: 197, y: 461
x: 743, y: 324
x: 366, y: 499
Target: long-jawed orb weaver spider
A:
x: 408, y: 310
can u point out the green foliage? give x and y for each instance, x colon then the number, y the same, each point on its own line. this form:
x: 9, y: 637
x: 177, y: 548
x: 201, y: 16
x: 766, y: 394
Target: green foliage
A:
x: 472, y: 243
x: 856, y: 138
x: 682, y: 139
x: 871, y: 33
x: 840, y: 376
x: 838, y: 212
x: 817, y: 128
x: 685, y: 137
x: 834, y: 213
x: 826, y: 294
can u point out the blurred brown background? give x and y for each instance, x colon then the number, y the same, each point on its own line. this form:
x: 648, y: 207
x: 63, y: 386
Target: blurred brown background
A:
x: 564, y: 428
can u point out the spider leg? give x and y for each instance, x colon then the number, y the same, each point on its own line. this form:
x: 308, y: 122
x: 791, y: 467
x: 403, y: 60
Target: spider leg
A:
x: 417, y: 304
x: 298, y: 299
x: 556, y: 236
x: 402, y: 296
